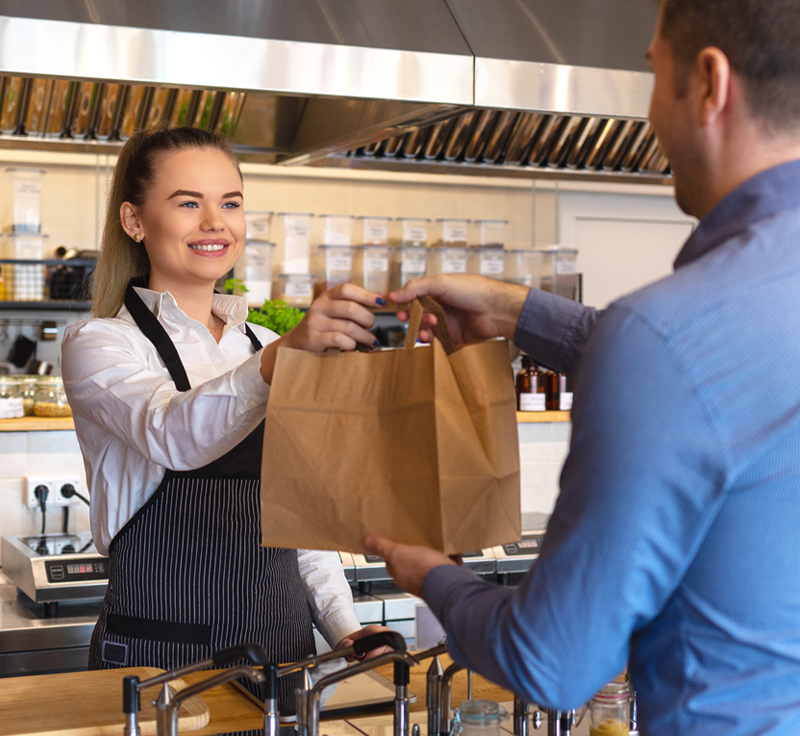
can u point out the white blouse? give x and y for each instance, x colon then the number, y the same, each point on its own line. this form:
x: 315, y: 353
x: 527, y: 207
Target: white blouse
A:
x: 131, y: 421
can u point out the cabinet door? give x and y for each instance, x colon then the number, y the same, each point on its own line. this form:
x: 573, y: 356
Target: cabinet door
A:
x: 624, y: 241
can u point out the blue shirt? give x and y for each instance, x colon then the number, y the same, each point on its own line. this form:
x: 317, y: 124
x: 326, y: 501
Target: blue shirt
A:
x: 675, y: 541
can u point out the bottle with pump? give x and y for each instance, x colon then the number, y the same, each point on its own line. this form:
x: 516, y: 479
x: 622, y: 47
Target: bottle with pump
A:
x: 530, y: 387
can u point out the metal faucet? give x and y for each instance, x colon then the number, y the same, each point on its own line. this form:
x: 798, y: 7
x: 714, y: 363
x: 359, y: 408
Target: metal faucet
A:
x: 308, y: 718
x: 444, y: 698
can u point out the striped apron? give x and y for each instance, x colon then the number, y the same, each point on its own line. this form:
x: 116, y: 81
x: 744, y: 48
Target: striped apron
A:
x: 188, y: 575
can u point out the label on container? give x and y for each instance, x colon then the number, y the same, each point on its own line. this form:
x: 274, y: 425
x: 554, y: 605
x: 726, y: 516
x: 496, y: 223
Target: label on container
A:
x: 376, y: 233
x: 339, y: 262
x: 532, y: 402
x: 257, y: 226
x: 491, y: 265
x: 298, y: 289
x: 414, y: 261
x: 376, y: 263
x: 454, y: 233
x: 415, y: 234
x: 296, y: 244
x: 454, y: 263
x: 11, y: 408
x: 565, y: 401
x: 565, y: 268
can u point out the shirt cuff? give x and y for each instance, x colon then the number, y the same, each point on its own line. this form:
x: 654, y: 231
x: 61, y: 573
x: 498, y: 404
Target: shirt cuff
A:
x: 553, y: 330
x: 441, y: 582
x: 249, y: 383
x: 339, y: 624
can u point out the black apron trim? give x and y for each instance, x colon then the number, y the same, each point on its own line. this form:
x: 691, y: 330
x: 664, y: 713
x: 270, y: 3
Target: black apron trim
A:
x: 169, y: 631
x: 155, y: 332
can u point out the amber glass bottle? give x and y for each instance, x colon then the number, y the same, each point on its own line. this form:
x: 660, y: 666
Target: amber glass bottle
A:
x: 530, y: 387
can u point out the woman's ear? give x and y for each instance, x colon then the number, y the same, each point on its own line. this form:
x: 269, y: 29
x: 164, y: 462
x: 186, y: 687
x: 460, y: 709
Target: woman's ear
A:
x: 129, y: 218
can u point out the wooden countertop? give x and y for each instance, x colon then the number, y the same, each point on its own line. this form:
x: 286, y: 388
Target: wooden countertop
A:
x: 231, y: 711
x: 36, y: 424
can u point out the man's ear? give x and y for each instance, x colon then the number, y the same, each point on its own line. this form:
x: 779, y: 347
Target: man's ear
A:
x: 714, y: 80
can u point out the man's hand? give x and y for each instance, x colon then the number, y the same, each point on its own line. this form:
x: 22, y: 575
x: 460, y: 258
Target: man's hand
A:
x: 476, y: 308
x: 407, y: 565
x: 349, y: 640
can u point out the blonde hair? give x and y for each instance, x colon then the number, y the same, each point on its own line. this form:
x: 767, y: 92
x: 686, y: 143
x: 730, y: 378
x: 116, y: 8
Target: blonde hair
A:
x: 121, y: 258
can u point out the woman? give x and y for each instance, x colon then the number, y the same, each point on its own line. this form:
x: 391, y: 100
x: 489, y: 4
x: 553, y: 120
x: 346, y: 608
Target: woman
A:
x: 168, y: 387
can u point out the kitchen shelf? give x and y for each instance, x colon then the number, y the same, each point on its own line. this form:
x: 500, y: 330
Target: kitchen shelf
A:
x: 536, y: 417
x: 34, y: 424
x: 58, y: 305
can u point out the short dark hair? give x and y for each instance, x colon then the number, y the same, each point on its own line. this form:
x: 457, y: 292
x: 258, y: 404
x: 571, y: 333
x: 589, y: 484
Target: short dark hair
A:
x: 761, y: 39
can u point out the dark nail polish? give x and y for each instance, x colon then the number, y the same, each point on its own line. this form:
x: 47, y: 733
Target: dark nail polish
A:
x: 380, y: 301
x: 376, y: 343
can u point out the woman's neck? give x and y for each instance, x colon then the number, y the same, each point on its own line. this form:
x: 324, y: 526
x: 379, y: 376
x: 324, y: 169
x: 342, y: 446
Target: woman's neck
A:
x: 194, y: 301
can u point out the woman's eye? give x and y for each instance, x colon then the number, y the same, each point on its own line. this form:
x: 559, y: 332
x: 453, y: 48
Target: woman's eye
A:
x: 189, y: 205
x: 232, y: 205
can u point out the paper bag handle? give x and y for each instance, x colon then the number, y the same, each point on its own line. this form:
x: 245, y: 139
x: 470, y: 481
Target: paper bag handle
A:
x: 440, y: 331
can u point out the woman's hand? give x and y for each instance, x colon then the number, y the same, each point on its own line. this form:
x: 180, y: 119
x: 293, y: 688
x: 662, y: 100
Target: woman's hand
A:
x: 348, y: 641
x: 339, y: 318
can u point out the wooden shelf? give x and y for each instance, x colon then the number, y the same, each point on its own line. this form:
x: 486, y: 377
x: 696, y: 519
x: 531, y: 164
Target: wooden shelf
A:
x: 34, y: 424
x: 534, y: 417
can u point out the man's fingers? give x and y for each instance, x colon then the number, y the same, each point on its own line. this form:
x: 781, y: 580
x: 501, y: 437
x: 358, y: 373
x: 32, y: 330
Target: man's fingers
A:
x: 378, y: 545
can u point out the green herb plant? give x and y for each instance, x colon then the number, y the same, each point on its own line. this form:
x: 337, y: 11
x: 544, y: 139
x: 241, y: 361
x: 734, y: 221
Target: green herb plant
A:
x: 274, y: 314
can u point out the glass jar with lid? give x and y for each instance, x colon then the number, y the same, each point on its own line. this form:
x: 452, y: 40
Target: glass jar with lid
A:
x: 27, y: 390
x: 50, y: 399
x: 478, y: 718
x: 10, y: 400
x: 609, y: 710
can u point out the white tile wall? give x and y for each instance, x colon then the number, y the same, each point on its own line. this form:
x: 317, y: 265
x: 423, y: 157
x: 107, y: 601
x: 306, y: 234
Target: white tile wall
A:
x: 55, y: 454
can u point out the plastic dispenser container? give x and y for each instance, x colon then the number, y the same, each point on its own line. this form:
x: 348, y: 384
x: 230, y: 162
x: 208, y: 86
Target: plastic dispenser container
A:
x: 558, y: 273
x: 254, y: 268
x: 487, y: 242
x: 291, y: 233
x: 296, y: 289
x: 409, y: 253
x: 21, y: 200
x: 523, y: 266
x: 450, y: 253
x: 258, y: 225
x: 333, y: 256
x: 371, y: 256
x: 23, y: 282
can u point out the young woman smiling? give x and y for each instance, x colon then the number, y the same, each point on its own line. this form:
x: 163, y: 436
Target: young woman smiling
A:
x: 168, y: 386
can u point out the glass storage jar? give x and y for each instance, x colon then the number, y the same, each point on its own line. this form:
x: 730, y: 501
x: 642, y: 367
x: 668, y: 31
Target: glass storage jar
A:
x: 478, y: 718
x: 50, y: 399
x: 609, y: 710
x: 10, y: 400
x: 27, y: 391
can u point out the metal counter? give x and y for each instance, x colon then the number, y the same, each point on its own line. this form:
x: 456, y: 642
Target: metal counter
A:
x: 32, y: 644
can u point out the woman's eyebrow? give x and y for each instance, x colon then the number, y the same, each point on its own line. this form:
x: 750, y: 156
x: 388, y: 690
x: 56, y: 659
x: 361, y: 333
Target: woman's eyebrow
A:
x: 198, y: 195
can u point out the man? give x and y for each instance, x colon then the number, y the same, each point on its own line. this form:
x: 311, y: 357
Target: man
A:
x: 674, y: 544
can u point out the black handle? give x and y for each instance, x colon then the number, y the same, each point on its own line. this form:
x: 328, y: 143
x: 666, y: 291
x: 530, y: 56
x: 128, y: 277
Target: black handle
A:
x: 130, y: 694
x: 402, y: 673
x: 381, y: 639
x: 251, y: 652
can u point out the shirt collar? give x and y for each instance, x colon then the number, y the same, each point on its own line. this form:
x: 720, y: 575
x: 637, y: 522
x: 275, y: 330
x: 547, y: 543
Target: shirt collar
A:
x: 231, y: 309
x: 760, y: 197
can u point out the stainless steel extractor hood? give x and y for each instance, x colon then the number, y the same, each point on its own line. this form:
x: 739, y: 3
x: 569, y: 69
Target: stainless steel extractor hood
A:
x: 527, y: 87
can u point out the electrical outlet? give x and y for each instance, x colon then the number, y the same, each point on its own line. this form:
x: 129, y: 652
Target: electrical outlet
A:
x: 54, y: 494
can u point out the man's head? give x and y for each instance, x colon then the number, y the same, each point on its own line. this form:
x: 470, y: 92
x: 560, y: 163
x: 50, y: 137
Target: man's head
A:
x: 726, y: 100
x: 761, y: 40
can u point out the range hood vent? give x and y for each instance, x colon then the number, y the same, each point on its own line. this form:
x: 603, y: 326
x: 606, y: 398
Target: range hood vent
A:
x: 508, y: 87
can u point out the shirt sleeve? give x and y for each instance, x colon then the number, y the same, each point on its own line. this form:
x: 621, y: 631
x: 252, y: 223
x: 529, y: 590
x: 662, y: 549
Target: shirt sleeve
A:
x: 328, y: 594
x: 111, y: 379
x: 554, y: 330
x: 644, y: 479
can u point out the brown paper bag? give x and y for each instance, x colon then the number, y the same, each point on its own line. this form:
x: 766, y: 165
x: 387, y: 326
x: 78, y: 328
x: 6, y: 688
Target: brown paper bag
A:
x: 418, y: 444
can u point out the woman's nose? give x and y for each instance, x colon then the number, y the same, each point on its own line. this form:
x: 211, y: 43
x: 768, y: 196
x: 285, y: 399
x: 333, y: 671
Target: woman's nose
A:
x: 212, y: 220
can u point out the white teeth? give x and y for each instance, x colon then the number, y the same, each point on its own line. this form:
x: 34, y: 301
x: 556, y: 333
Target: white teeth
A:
x: 209, y: 248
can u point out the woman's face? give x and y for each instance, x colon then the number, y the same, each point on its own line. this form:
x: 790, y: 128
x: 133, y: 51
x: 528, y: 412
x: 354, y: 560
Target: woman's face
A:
x: 192, y: 220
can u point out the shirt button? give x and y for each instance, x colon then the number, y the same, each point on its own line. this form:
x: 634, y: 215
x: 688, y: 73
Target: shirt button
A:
x: 251, y: 404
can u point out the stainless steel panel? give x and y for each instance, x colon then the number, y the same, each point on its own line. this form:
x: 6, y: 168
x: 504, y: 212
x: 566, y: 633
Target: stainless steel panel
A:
x: 45, y: 662
x: 368, y: 610
x: 575, y: 90
x: 158, y: 57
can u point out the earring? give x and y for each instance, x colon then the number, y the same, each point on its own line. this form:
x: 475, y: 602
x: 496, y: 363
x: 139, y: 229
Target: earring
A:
x: 137, y: 238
